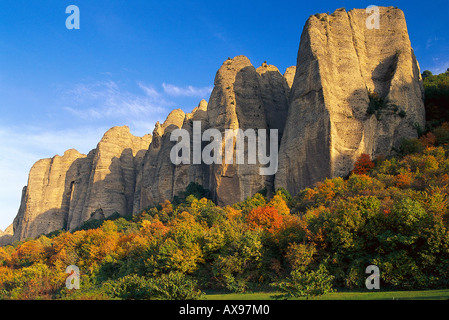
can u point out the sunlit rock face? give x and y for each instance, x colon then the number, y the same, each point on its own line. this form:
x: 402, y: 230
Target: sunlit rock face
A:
x: 341, y: 64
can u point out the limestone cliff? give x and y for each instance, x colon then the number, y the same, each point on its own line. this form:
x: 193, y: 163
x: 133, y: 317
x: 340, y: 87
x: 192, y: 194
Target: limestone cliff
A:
x: 159, y: 178
x: 41, y: 210
x: 245, y: 98
x: 289, y: 75
x: 155, y: 176
x: 242, y: 98
x: 105, y: 181
x: 63, y: 192
x: 6, y: 236
x: 186, y: 173
x: 322, y: 108
x: 341, y: 65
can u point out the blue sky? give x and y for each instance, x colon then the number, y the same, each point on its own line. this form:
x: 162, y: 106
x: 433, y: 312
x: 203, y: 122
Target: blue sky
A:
x: 131, y: 62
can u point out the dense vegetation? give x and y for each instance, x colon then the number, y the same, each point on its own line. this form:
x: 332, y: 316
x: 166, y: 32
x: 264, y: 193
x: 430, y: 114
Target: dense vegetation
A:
x: 437, y: 97
x: 392, y: 213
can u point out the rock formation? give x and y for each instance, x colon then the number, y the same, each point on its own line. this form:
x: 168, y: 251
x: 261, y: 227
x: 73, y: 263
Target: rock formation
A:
x: 341, y: 65
x: 242, y: 98
x: 63, y: 192
x: 41, y: 209
x: 155, y: 180
x: 289, y: 75
x: 6, y: 236
x: 105, y: 181
x: 186, y: 173
x: 323, y: 110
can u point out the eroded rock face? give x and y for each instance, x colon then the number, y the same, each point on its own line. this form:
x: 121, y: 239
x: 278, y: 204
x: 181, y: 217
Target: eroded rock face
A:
x: 242, y: 98
x: 41, y: 210
x: 105, y: 182
x: 6, y: 236
x: 245, y: 98
x: 340, y: 61
x: 186, y: 173
x: 63, y: 192
x: 274, y: 91
x: 155, y: 178
x: 289, y: 75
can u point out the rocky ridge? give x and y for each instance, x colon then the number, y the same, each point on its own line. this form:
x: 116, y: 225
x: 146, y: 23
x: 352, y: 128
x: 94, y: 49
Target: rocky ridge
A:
x: 321, y: 108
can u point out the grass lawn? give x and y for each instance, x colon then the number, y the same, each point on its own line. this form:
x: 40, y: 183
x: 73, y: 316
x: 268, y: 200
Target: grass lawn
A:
x: 345, y: 295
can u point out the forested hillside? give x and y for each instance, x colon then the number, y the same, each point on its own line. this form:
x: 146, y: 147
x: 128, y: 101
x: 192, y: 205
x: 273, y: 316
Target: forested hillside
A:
x: 390, y: 212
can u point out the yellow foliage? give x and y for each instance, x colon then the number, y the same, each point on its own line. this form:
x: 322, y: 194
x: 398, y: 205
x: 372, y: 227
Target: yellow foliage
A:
x: 167, y: 206
x: 232, y: 213
x: 109, y: 227
x: 153, y: 229
x: 279, y: 204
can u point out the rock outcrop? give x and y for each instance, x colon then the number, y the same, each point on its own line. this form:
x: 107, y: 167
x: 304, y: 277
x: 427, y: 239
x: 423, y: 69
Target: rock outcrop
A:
x: 187, y: 173
x: 42, y: 210
x: 245, y: 98
x: 105, y: 182
x: 323, y: 109
x: 341, y: 65
x: 155, y: 176
x: 63, y: 192
x: 242, y: 98
x: 289, y: 75
x: 6, y: 236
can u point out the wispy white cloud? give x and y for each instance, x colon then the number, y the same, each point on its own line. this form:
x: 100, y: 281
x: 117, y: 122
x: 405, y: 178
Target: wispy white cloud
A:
x: 431, y: 41
x: 439, y: 65
x: 189, y: 91
x: 150, y: 91
x: 106, y: 99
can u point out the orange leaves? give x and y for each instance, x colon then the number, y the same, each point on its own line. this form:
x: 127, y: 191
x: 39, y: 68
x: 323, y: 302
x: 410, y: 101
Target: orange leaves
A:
x: 326, y: 189
x: 309, y: 194
x: 232, y: 213
x: 28, y: 253
x: 428, y: 140
x: 267, y: 218
x: 5, y: 257
x: 403, y: 180
x: 153, y: 229
x: 167, y: 207
x: 363, y: 164
x: 131, y: 244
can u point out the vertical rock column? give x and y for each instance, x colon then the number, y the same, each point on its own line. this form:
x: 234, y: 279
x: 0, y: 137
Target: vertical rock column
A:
x: 341, y: 65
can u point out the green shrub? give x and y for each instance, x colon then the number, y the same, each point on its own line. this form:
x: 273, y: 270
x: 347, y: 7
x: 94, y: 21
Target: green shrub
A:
x: 171, y: 286
x: 305, y: 284
x: 409, y: 146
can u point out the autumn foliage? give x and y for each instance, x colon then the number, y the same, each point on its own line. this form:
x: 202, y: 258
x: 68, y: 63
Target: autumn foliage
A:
x: 393, y: 214
x: 266, y: 218
x: 363, y: 164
